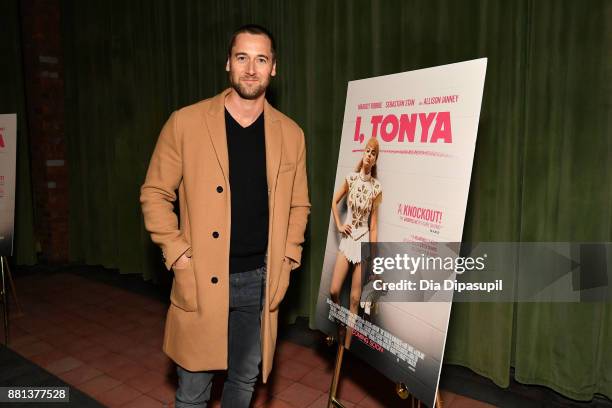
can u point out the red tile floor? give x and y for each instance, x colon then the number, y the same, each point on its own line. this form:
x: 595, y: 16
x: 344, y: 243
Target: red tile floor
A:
x: 106, y: 341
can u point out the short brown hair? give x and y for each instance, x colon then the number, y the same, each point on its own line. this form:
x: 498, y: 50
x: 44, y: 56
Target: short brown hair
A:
x: 252, y: 29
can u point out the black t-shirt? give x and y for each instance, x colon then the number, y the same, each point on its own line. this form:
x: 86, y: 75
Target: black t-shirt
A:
x: 246, y: 149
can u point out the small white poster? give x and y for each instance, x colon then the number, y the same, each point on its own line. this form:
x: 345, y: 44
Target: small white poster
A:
x: 8, y: 161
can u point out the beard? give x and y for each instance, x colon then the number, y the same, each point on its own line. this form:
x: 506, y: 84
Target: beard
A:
x: 246, y: 92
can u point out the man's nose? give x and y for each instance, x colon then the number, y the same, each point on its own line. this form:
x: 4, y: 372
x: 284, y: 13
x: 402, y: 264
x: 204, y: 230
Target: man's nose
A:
x: 251, y: 67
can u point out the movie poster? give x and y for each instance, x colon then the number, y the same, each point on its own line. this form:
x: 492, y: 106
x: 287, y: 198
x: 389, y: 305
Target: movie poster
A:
x: 416, y: 133
x: 8, y: 160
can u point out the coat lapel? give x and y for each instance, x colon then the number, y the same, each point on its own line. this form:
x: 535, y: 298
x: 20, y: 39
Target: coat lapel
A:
x: 215, y: 121
x: 273, y: 145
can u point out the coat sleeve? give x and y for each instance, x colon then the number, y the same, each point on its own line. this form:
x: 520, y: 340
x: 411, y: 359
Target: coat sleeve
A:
x: 300, y: 208
x: 158, y: 194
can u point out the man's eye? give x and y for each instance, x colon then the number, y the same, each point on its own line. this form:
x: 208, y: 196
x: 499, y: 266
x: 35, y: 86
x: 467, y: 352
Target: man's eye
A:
x: 262, y: 60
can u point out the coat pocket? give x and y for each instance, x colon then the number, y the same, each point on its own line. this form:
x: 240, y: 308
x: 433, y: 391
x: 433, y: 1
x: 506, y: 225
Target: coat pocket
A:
x: 183, y: 293
x: 283, y: 285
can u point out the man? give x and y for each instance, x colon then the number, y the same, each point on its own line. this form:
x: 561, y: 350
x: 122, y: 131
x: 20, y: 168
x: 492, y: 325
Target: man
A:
x: 239, y: 167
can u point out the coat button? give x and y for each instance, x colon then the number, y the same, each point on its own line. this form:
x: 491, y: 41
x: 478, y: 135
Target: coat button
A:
x: 219, y: 189
x: 215, y: 234
x: 214, y: 279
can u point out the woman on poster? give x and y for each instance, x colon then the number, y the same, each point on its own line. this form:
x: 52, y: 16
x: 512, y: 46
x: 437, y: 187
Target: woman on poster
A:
x: 363, y: 196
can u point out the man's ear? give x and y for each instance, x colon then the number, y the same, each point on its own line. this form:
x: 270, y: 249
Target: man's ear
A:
x: 227, y: 67
x: 273, y: 73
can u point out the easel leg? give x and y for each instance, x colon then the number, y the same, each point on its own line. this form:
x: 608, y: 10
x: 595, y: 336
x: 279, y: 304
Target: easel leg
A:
x: 333, y: 402
x: 438, y: 400
x: 402, y: 392
x: 4, y: 303
x: 12, y: 283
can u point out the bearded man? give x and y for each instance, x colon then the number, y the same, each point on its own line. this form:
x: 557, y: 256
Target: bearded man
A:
x: 239, y: 166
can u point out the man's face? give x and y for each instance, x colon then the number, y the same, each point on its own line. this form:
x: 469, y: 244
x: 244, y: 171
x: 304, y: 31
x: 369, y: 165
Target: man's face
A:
x: 251, y: 65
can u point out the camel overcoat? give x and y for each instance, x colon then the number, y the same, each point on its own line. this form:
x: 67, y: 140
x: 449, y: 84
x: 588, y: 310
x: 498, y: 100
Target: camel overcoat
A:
x: 191, y: 157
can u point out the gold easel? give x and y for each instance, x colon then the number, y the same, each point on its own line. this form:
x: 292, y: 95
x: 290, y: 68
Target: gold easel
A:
x: 6, y: 271
x: 400, y: 388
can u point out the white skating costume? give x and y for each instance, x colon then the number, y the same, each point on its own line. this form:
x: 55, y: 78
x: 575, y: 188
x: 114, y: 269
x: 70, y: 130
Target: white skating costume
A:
x: 363, y: 192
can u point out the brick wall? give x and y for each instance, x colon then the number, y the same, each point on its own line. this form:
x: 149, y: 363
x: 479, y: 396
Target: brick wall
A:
x: 44, y: 80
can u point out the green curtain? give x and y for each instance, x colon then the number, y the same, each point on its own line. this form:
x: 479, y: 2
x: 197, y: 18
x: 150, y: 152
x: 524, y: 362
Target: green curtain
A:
x: 480, y: 334
x: 567, y: 188
x: 540, y: 173
x: 13, y: 101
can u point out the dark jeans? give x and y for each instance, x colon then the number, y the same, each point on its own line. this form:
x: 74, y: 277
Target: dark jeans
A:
x: 244, y: 348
